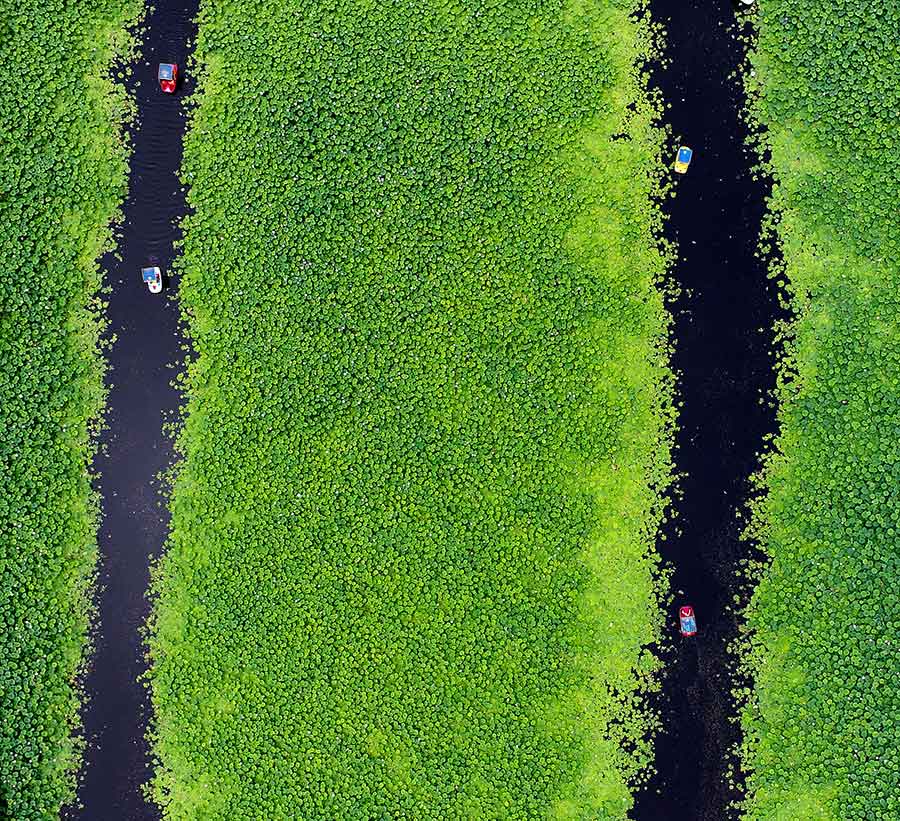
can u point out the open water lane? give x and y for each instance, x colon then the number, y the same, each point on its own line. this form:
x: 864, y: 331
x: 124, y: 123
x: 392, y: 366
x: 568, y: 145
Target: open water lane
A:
x: 723, y: 355
x: 143, y: 359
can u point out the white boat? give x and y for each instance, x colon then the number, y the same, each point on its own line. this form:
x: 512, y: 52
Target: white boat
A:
x: 153, y: 277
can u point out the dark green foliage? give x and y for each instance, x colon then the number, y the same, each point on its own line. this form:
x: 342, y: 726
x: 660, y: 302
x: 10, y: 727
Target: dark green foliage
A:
x: 822, y: 724
x: 830, y: 78
x: 62, y: 173
x: 411, y: 569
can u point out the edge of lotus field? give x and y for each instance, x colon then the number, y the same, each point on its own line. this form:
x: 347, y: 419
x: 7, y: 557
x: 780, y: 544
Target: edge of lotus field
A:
x: 322, y: 708
x: 64, y: 168
x: 821, y: 642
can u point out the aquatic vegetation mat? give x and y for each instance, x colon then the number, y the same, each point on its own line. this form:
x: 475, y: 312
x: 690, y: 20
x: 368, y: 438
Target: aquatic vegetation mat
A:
x: 411, y: 570
x: 63, y: 172
x: 822, y: 724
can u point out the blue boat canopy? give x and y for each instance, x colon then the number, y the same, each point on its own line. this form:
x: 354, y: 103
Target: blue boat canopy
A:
x: 149, y: 274
x: 166, y: 71
x: 685, y: 154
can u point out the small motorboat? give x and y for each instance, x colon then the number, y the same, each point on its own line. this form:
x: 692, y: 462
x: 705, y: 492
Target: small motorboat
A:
x: 168, y: 77
x: 686, y: 621
x: 683, y: 159
x: 152, y: 276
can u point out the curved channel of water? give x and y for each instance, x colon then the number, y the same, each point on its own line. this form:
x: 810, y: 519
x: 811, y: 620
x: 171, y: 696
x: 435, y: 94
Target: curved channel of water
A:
x: 134, y: 449
x: 723, y: 343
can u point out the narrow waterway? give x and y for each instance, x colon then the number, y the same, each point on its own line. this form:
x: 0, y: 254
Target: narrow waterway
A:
x: 143, y: 360
x: 723, y: 345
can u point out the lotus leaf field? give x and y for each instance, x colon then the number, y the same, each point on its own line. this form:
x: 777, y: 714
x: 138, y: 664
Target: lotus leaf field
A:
x: 411, y: 570
x: 822, y: 727
x: 63, y: 171
x: 428, y: 411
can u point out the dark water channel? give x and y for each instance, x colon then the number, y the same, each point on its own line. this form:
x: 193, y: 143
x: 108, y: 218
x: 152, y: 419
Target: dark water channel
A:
x: 723, y: 346
x: 134, y: 450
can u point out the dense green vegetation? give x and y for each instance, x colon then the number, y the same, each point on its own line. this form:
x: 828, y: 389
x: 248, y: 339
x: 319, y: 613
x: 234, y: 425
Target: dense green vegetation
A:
x: 62, y: 169
x: 411, y: 571
x: 822, y: 724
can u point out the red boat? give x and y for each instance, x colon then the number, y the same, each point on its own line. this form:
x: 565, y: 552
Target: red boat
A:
x: 168, y: 77
x: 686, y: 620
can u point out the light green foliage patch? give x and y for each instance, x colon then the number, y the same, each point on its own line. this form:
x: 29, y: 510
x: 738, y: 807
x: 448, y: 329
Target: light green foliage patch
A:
x: 62, y: 176
x: 822, y: 724
x: 411, y: 571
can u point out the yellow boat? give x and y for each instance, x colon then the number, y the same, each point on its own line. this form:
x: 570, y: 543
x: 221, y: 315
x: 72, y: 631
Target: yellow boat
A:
x: 683, y: 160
